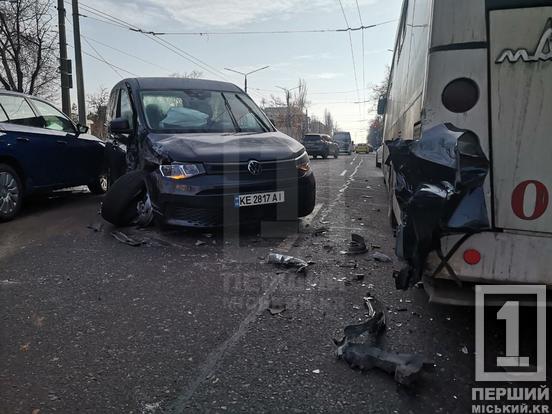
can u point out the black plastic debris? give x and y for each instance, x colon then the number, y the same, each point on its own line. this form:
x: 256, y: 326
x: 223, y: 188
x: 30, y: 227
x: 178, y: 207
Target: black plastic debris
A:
x: 439, y: 187
x: 126, y: 239
x: 406, y: 368
x: 276, y: 307
x: 95, y: 227
x: 357, y: 245
x: 375, y: 326
x: 288, y: 261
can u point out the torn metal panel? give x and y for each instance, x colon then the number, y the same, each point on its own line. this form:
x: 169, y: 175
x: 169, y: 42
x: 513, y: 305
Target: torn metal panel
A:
x: 438, y: 186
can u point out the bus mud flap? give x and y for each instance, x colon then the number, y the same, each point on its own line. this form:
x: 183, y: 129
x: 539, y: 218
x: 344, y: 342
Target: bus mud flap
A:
x: 439, y: 187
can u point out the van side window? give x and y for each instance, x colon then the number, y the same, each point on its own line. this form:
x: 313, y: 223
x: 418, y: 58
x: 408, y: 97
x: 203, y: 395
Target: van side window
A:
x: 19, y: 111
x: 3, y: 116
x: 125, y: 108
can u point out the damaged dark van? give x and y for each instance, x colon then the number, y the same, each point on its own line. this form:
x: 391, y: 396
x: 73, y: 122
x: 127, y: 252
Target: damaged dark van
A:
x: 200, y: 153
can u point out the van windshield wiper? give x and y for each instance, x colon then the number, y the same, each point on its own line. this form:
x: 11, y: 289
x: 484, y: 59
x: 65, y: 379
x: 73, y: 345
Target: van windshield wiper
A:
x: 257, y: 117
x: 229, y: 109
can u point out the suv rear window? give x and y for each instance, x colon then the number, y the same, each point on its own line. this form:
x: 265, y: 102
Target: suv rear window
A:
x: 312, y: 138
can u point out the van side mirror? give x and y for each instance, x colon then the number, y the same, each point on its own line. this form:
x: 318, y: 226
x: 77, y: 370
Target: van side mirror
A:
x: 382, y: 105
x: 82, y: 129
x: 119, y: 126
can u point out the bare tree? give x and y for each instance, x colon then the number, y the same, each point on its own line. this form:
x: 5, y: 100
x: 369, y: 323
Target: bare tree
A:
x: 194, y: 74
x: 28, y: 58
x: 97, y: 106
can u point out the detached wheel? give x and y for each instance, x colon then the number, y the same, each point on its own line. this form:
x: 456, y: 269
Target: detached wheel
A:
x: 11, y: 193
x: 127, y: 201
x: 100, y: 185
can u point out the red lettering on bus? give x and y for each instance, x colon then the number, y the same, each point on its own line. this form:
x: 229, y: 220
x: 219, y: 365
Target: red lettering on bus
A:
x: 541, y: 200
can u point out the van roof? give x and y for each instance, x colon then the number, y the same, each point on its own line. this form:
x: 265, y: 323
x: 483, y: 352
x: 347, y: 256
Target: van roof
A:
x: 180, y: 83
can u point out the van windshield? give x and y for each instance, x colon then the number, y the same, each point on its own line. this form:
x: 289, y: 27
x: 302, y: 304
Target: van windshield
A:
x: 195, y: 111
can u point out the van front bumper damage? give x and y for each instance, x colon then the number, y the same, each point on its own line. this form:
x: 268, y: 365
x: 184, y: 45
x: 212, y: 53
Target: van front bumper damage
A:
x: 208, y: 201
x: 439, y: 188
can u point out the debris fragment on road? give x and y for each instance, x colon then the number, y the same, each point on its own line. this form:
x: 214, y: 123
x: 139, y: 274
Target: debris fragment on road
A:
x: 96, y: 227
x: 405, y: 367
x: 276, y: 307
x: 380, y: 257
x: 124, y: 238
x: 288, y: 261
x: 200, y: 243
x: 357, y: 245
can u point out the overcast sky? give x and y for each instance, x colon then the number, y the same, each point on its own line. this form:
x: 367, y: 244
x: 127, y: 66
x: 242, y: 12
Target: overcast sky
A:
x: 323, y: 59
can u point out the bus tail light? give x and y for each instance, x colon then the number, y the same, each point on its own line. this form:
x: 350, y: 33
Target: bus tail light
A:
x: 472, y: 257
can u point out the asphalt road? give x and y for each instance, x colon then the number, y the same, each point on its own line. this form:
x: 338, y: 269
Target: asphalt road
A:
x: 180, y: 324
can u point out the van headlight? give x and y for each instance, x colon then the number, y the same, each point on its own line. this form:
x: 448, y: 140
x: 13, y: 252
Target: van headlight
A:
x: 303, y: 163
x: 181, y: 171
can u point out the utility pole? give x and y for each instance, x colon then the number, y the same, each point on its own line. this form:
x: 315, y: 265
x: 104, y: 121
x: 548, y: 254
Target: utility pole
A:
x: 245, y: 75
x: 64, y: 63
x: 78, y: 63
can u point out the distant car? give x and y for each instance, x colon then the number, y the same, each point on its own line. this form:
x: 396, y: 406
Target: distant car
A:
x: 344, y: 141
x: 363, y: 148
x: 42, y: 150
x: 200, y: 153
x: 320, y: 145
x: 379, y: 156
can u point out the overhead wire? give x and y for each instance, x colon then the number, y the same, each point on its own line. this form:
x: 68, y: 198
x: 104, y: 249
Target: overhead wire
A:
x: 351, y: 45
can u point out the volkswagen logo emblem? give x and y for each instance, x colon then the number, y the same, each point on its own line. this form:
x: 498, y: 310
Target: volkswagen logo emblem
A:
x: 254, y: 167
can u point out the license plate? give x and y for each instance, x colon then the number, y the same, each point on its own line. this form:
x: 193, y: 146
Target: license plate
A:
x: 246, y: 200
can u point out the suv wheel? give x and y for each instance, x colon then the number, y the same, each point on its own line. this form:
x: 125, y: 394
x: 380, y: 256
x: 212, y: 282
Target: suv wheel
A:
x: 11, y: 193
x: 99, y: 186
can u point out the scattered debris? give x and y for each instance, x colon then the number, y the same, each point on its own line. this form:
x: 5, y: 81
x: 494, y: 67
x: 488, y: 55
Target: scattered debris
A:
x: 465, y: 350
x: 288, y: 261
x: 316, y: 371
x: 359, y: 276
x: 96, y: 227
x: 320, y: 231
x: 357, y: 245
x: 25, y: 347
x: 375, y: 325
x: 124, y: 238
x: 200, y: 243
x: 406, y: 368
x: 276, y: 307
x: 375, y: 246
x: 380, y: 257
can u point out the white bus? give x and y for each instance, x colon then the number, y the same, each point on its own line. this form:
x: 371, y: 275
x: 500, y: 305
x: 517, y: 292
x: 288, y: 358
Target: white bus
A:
x: 483, y: 66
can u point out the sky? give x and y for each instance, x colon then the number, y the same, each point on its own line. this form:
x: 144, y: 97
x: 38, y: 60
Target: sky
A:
x: 323, y: 60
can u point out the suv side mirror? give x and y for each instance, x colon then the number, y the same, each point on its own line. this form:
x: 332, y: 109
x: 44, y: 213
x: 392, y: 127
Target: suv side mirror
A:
x: 382, y: 104
x: 119, y: 126
x: 82, y: 129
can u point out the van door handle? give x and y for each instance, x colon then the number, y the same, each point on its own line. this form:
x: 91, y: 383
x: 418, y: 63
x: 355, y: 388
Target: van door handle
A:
x: 20, y: 139
x: 62, y: 142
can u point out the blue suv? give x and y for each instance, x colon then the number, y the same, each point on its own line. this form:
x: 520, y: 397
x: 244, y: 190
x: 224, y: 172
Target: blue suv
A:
x: 42, y: 150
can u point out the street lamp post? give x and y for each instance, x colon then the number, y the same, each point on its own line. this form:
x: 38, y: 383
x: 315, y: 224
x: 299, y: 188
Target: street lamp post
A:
x: 245, y: 75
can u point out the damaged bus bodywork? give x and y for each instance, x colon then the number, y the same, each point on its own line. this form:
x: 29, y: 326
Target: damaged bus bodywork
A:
x: 471, y: 83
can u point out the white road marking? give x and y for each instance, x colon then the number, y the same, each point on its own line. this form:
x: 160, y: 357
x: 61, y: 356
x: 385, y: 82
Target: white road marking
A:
x: 287, y: 244
x: 343, y: 173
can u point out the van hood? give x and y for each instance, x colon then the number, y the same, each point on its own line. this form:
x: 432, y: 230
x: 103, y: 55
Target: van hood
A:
x: 225, y: 148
